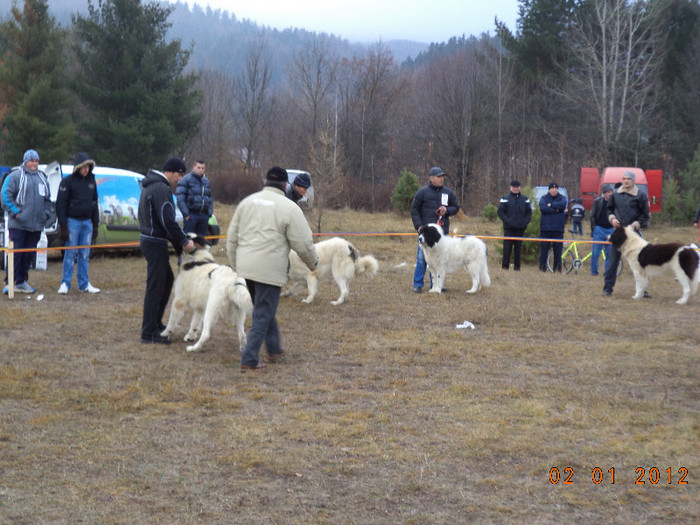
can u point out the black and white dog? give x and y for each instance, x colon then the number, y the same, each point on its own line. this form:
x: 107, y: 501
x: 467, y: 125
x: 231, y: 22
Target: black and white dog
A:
x: 645, y: 258
x: 445, y: 254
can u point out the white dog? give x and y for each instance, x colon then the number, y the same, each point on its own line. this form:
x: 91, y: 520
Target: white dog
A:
x: 445, y: 254
x: 645, y: 258
x: 336, y: 257
x: 210, y: 291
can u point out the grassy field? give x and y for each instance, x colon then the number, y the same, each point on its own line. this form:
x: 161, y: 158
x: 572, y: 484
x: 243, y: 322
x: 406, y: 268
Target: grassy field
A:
x: 382, y: 412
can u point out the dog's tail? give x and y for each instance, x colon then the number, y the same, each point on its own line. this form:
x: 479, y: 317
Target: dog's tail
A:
x: 367, y: 266
x: 240, y: 296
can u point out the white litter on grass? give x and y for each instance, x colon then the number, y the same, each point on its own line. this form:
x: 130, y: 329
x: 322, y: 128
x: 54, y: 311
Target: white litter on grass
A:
x: 465, y: 324
x: 400, y: 265
x: 40, y: 297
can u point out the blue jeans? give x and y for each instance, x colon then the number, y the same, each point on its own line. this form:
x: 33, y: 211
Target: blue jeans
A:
x: 23, y: 260
x: 600, y: 234
x: 198, y: 224
x: 578, y: 227
x: 79, y: 234
x: 419, y: 272
x: 266, y: 299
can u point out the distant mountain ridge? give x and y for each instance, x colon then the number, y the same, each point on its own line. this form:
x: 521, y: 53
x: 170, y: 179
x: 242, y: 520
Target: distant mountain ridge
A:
x: 220, y: 41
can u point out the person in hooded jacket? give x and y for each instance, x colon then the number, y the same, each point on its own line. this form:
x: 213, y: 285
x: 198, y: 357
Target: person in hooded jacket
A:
x: 26, y: 198
x: 515, y: 211
x: 78, y: 215
x: 433, y: 203
x: 158, y: 227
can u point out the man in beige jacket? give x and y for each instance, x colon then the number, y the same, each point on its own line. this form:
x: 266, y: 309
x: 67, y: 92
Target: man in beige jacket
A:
x: 265, y: 226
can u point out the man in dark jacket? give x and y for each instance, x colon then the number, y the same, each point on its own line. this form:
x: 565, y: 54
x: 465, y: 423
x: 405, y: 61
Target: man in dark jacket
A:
x: 553, y: 208
x: 158, y: 226
x: 297, y: 190
x: 515, y: 211
x: 627, y: 206
x: 26, y: 198
x: 432, y: 203
x: 194, y: 200
x: 78, y: 219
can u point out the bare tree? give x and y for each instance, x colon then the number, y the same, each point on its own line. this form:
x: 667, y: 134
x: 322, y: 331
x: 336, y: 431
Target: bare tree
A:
x: 254, y: 102
x: 313, y: 75
x: 613, y: 79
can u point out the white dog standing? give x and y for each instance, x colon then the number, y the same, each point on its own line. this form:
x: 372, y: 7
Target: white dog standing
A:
x: 645, y: 258
x: 210, y: 291
x: 337, y: 258
x: 445, y: 254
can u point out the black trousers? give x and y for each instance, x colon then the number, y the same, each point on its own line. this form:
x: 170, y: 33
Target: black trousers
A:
x: 514, y: 246
x: 159, y: 283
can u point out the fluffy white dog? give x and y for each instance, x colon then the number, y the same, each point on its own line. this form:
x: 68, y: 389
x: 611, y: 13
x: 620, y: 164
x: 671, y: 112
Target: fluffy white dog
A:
x: 646, y: 259
x: 210, y: 291
x: 445, y: 254
x: 337, y: 258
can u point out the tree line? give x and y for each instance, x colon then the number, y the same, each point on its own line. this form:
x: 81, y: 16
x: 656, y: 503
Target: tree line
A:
x: 578, y: 83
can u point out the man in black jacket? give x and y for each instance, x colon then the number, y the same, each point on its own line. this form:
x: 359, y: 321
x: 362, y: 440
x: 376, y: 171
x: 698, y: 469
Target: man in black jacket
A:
x: 627, y: 206
x: 158, y: 226
x: 78, y: 219
x: 515, y: 211
x: 432, y: 203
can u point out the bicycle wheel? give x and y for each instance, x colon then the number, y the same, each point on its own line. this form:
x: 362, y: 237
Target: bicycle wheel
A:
x: 620, y: 267
x: 568, y: 263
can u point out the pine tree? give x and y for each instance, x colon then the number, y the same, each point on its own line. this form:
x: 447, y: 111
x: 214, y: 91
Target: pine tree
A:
x: 33, y: 85
x: 139, y: 104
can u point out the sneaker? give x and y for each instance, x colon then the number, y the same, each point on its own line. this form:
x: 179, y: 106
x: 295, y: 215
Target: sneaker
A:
x: 607, y: 293
x: 155, y: 339
x: 417, y: 289
x: 24, y: 288
x: 5, y: 290
x: 63, y: 289
x: 90, y: 289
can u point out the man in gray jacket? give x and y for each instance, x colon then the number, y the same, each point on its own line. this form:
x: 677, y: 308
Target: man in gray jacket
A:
x: 265, y: 226
x: 26, y: 198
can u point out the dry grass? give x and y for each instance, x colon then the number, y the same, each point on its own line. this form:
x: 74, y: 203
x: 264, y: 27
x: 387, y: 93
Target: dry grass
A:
x: 383, y: 412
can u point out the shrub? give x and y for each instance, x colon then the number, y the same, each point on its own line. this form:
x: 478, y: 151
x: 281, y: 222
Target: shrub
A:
x: 490, y: 213
x: 404, y: 191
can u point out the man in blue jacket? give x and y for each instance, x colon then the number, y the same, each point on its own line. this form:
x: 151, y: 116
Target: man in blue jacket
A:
x: 515, y: 211
x: 26, y: 198
x: 432, y: 203
x: 194, y: 200
x: 553, y: 208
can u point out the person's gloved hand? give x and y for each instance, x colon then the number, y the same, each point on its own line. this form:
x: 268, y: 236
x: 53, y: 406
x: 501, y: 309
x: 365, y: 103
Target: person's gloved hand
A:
x: 63, y: 233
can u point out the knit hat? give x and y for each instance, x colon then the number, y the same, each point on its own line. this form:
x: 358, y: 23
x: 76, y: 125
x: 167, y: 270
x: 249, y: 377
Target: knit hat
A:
x: 277, y: 174
x: 174, y: 164
x: 553, y: 185
x: 303, y: 180
x: 436, y: 172
x: 515, y: 183
x: 30, y: 154
x: 629, y: 174
x: 82, y: 159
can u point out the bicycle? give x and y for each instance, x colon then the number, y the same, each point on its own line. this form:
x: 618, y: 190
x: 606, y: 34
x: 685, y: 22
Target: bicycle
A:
x: 572, y: 260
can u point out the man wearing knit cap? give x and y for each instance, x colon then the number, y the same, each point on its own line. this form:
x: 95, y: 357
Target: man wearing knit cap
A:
x: 515, y: 211
x: 265, y: 226
x: 297, y: 190
x: 78, y: 219
x: 627, y: 206
x: 158, y: 226
x: 26, y: 198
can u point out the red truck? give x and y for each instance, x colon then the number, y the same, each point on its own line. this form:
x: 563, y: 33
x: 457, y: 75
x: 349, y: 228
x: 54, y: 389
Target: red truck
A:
x: 593, y: 182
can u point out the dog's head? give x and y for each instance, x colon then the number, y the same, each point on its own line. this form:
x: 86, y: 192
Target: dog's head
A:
x: 430, y: 235
x: 618, y: 237
x: 200, y: 243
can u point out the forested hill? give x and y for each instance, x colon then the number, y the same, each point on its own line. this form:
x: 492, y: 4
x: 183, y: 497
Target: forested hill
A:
x: 220, y: 41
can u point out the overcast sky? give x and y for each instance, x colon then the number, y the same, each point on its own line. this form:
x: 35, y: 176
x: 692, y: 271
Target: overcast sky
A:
x: 371, y: 20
